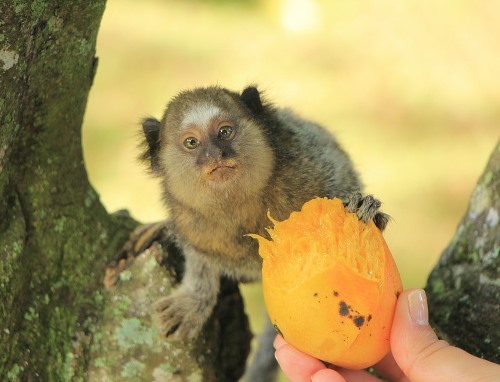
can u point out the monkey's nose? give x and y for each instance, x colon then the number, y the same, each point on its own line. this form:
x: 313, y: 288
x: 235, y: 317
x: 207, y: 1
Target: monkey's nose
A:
x: 212, y: 153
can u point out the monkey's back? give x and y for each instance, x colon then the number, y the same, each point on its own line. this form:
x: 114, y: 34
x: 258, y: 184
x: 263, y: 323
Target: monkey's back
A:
x: 309, y: 163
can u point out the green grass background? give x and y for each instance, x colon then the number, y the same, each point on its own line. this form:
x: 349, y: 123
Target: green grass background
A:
x: 411, y: 89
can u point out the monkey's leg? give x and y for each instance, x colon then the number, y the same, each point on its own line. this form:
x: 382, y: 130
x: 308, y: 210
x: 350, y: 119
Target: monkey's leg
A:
x: 367, y: 208
x: 264, y: 366
x: 183, y: 313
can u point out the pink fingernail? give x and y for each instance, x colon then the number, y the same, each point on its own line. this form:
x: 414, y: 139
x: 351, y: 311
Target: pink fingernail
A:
x: 417, y: 306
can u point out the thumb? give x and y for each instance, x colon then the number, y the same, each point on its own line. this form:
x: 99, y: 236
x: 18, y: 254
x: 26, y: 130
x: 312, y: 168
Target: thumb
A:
x: 422, y: 356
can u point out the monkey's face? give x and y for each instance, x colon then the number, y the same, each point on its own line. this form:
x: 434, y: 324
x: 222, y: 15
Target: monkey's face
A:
x: 206, y: 139
x: 213, y: 150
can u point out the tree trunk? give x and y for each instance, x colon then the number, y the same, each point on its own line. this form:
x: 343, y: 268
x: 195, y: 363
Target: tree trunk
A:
x: 53, y: 228
x: 464, y: 287
x: 55, y: 236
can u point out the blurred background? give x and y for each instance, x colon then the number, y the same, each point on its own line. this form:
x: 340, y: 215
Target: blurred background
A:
x: 411, y: 89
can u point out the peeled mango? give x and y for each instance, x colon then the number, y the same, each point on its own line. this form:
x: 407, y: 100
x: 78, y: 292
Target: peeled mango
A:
x: 330, y: 284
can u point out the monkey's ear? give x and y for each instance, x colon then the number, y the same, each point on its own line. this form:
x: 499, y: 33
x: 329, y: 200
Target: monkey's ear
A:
x: 151, y: 128
x: 251, y: 98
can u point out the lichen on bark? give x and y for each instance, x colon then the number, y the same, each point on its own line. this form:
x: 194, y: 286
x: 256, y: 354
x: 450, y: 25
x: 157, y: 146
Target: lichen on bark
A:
x: 464, y: 287
x: 128, y: 344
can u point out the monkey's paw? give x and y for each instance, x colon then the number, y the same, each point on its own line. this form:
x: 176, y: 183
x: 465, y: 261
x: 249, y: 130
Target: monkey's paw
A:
x: 182, y: 315
x: 366, y: 207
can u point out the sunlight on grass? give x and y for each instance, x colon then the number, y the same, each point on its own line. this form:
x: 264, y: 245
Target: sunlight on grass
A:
x: 411, y: 89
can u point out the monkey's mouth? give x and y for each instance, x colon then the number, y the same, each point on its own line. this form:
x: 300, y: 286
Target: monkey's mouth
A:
x: 220, y: 172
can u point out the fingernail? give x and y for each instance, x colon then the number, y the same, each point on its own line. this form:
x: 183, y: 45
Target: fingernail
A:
x: 277, y: 357
x: 417, y: 306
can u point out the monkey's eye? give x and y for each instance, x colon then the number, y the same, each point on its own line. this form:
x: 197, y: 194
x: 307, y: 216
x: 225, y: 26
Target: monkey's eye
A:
x: 225, y: 133
x: 191, y: 143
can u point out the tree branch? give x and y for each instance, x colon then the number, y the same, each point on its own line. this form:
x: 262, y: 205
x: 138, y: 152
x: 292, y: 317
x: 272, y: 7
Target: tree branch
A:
x: 464, y: 287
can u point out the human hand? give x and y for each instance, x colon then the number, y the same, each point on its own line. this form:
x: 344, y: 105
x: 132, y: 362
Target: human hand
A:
x: 417, y: 355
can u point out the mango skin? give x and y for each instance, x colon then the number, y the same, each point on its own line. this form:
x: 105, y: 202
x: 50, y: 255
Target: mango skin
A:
x: 338, y: 315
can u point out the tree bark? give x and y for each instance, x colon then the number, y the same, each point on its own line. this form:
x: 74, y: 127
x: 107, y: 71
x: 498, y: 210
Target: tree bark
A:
x: 128, y: 346
x: 53, y: 229
x: 464, y: 288
x: 55, y: 236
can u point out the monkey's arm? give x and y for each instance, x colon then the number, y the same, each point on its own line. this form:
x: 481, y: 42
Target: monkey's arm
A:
x: 183, y: 313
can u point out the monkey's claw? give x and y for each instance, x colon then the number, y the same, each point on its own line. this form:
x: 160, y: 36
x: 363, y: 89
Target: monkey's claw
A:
x: 139, y: 240
x: 366, y: 207
x: 181, y: 315
x: 143, y: 237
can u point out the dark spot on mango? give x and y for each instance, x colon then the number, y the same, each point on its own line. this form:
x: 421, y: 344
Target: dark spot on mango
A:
x: 335, y: 293
x: 343, y: 308
x: 369, y: 317
x: 359, y: 321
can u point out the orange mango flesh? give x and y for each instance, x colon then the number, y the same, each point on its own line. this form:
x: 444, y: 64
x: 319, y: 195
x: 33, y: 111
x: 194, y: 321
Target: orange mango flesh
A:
x: 330, y: 284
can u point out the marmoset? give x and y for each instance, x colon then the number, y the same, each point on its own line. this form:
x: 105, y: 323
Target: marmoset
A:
x: 226, y: 160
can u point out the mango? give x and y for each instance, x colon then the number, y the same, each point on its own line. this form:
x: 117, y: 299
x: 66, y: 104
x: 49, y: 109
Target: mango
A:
x: 330, y: 284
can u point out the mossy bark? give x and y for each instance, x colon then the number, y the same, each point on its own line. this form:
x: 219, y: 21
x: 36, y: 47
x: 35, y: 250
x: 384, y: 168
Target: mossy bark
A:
x: 54, y: 232
x: 464, y: 287
x: 128, y: 345
x: 55, y: 236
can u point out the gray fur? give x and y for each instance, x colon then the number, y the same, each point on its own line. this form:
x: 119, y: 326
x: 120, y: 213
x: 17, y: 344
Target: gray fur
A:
x: 223, y: 189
